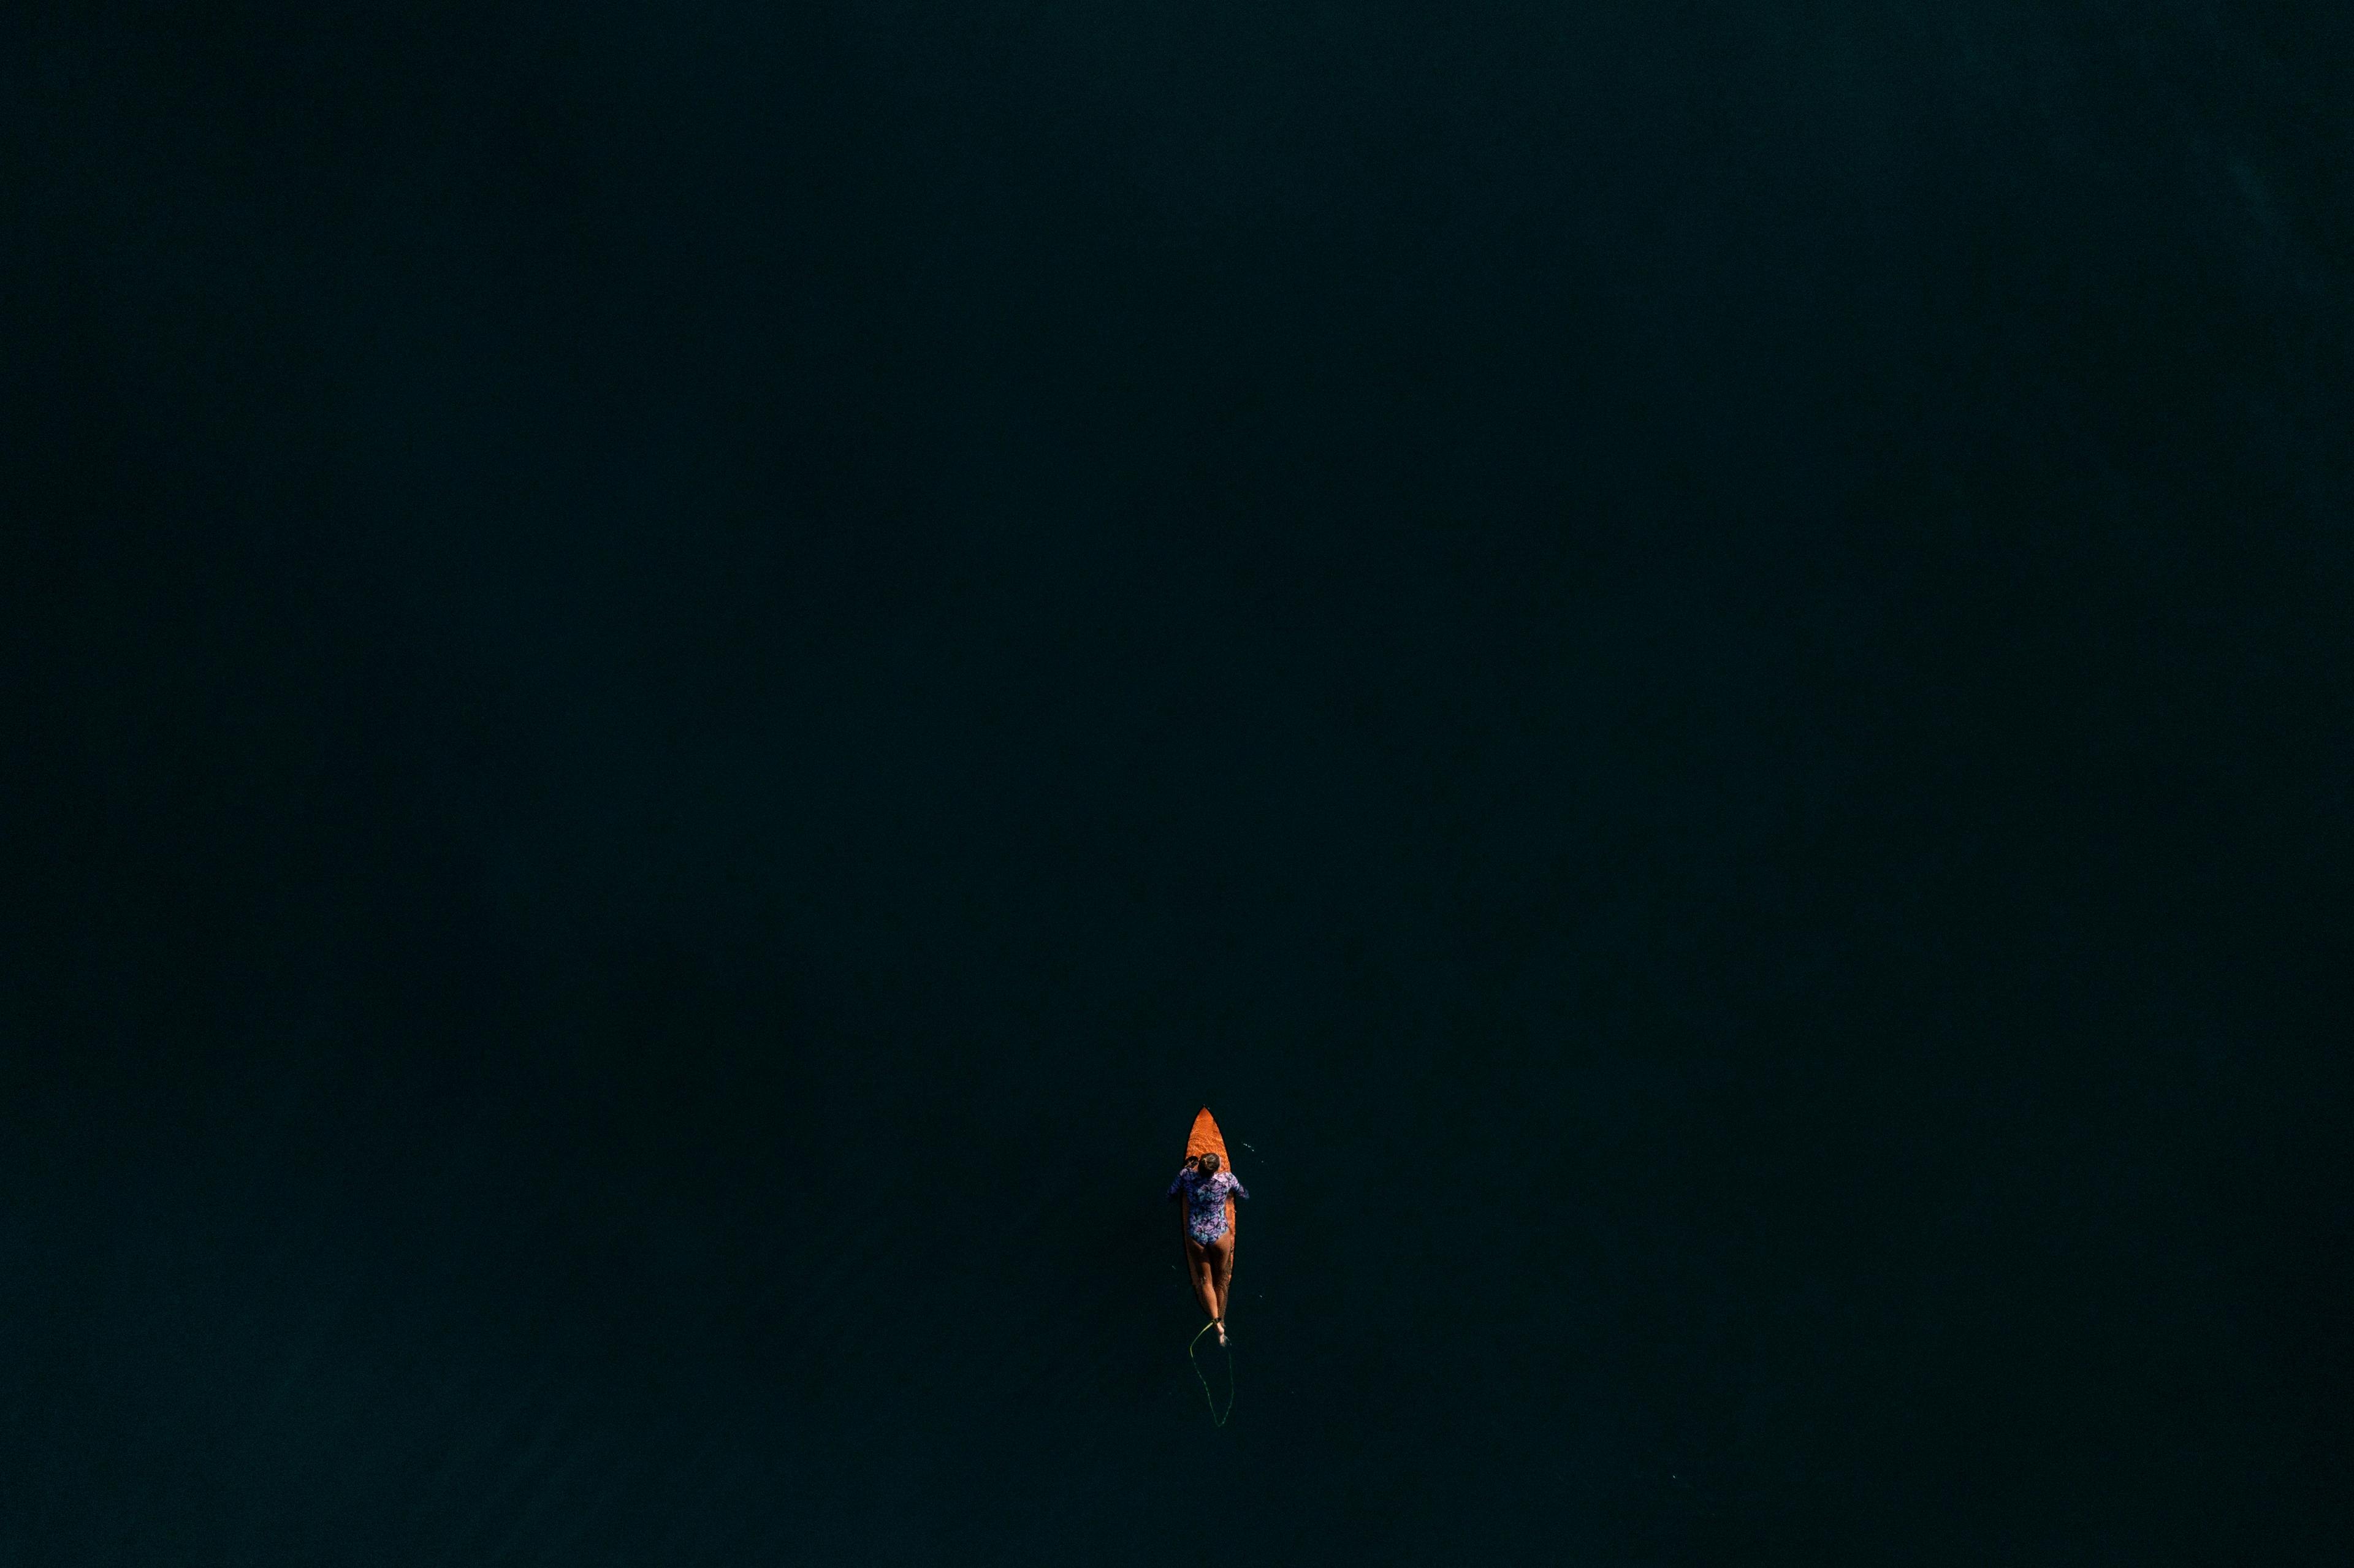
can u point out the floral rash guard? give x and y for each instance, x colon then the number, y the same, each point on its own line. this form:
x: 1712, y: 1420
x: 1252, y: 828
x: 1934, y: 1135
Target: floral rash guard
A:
x: 1205, y: 1202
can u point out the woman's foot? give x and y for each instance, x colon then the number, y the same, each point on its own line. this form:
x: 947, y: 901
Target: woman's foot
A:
x: 1222, y: 1334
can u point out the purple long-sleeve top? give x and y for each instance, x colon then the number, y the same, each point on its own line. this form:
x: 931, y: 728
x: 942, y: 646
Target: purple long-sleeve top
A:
x: 1205, y: 1202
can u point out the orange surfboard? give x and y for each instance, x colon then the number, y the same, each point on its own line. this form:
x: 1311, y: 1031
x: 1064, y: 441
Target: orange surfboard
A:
x: 1205, y: 1138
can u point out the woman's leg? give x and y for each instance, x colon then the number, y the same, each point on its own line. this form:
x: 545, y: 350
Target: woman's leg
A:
x: 1222, y: 1275
x: 1197, y: 1269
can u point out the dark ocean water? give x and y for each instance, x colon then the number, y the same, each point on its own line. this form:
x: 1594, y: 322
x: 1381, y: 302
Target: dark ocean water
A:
x: 679, y: 679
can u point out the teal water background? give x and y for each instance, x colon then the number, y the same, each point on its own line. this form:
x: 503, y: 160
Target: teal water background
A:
x: 679, y: 682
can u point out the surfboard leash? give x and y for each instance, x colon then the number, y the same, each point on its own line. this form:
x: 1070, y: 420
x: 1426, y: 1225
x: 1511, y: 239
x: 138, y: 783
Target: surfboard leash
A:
x: 1216, y: 1419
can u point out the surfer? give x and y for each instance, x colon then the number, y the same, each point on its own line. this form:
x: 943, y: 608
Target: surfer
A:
x: 1209, y: 1230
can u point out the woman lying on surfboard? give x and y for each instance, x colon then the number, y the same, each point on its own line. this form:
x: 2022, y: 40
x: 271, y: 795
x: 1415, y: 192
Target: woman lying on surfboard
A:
x: 1209, y: 1239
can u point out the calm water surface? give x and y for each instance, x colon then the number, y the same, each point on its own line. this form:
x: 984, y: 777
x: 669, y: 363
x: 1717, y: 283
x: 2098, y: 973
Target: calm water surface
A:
x: 680, y: 683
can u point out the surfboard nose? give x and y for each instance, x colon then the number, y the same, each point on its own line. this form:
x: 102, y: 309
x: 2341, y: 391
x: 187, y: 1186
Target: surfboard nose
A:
x: 1205, y: 1137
